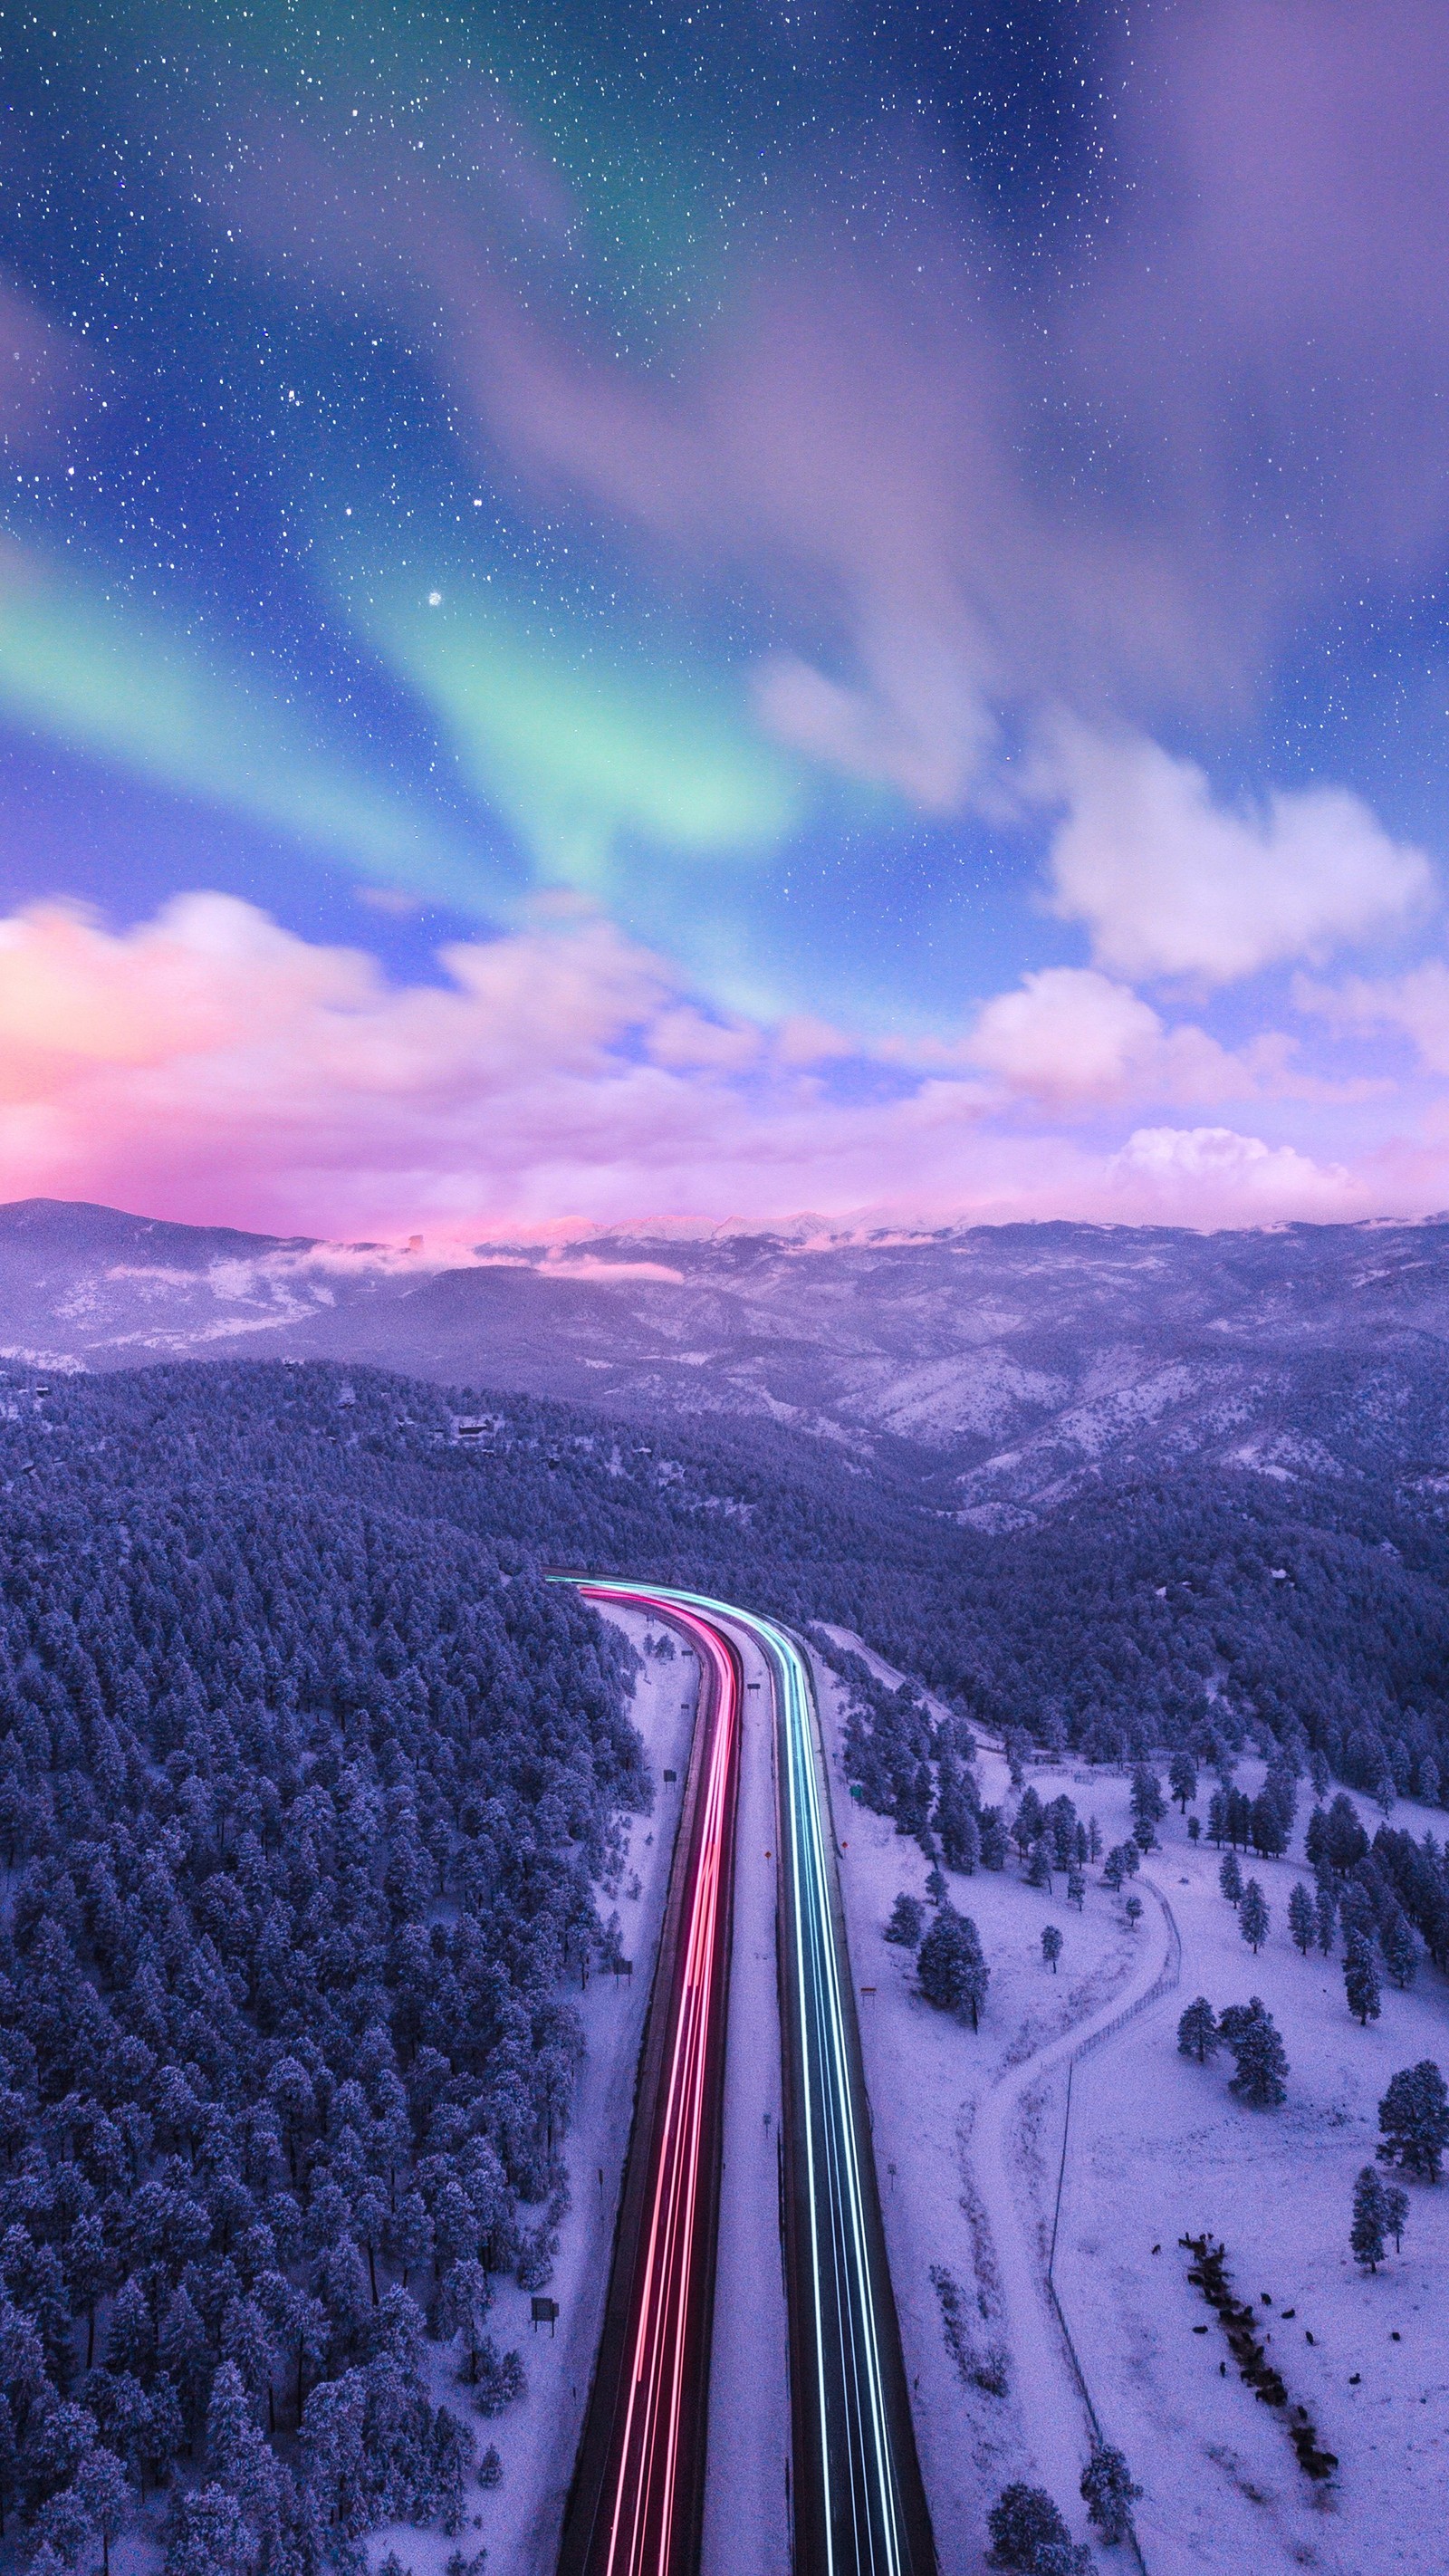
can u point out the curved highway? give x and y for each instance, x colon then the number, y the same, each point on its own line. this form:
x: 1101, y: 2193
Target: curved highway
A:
x: 858, y: 2503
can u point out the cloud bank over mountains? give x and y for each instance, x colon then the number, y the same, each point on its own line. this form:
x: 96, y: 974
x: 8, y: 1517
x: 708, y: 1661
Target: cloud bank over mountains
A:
x: 211, y: 1062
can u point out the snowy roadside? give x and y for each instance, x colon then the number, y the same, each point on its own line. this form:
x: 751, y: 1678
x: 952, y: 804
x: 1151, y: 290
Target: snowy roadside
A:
x: 537, y: 2437
x: 969, y: 2140
x: 931, y: 2081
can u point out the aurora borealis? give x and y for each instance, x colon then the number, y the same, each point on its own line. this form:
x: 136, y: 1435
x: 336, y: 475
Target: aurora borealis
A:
x: 609, y: 614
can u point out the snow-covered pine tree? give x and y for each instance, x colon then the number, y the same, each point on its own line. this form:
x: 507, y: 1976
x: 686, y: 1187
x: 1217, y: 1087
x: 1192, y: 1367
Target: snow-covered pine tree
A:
x: 1326, y: 1911
x: 1301, y: 1919
x: 1361, y: 1980
x: 1051, y: 1946
x: 1022, y: 2521
x: 1262, y: 2063
x: 993, y: 1839
x: 952, y: 1970
x: 1414, y: 2118
x: 1230, y: 1878
x: 1182, y: 1776
x: 1253, y: 1916
x: 1197, y: 2031
x: 1400, y: 1949
x: 1396, y: 2213
x: 1366, y: 2231
x: 1109, y: 2492
x: 907, y: 1916
x: 1148, y: 1804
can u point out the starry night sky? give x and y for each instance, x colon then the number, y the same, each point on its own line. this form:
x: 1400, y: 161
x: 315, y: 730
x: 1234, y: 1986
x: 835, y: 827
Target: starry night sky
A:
x: 724, y: 609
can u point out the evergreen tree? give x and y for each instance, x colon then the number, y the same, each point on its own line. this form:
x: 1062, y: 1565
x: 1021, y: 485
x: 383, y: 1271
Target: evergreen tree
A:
x: 1253, y: 1916
x: 1197, y: 2031
x: 1261, y: 2062
x: 1133, y: 1910
x: 1400, y: 1949
x: 1109, y: 2492
x: 1326, y: 1910
x: 1366, y: 2233
x: 1230, y: 1878
x: 1265, y: 1826
x: 1361, y: 1979
x: 1301, y: 1919
x: 103, y: 2493
x: 1396, y: 2213
x: 1094, y: 1839
x: 1148, y: 1804
x: 1344, y: 1839
x: 993, y: 1839
x: 1030, y: 1817
x: 1039, y: 1867
x: 951, y: 1967
x: 908, y: 1915
x: 1076, y: 1887
x: 1217, y: 1816
x: 1022, y: 2521
x: 1051, y: 1946
x: 954, y: 1817
x: 1414, y: 2119
x: 1182, y: 1778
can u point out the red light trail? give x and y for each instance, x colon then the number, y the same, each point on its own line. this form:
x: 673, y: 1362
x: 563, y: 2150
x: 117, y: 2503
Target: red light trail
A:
x: 638, y: 2496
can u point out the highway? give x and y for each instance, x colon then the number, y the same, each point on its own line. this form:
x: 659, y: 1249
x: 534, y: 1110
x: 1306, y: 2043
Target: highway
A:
x: 637, y: 2500
x: 859, y: 2507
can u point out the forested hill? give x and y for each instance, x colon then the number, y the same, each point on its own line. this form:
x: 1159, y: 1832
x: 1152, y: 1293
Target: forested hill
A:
x: 1253, y: 1602
x: 303, y: 1799
x: 308, y: 1781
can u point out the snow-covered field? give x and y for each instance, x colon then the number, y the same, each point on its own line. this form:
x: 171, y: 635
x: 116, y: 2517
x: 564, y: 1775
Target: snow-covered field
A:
x: 969, y: 2131
x: 537, y: 2437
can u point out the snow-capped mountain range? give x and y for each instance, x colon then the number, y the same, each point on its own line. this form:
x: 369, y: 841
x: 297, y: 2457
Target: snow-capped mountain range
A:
x: 1003, y: 1365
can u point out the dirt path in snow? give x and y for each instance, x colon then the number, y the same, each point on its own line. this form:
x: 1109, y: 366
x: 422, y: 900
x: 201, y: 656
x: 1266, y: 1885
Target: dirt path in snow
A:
x: 1048, y: 2398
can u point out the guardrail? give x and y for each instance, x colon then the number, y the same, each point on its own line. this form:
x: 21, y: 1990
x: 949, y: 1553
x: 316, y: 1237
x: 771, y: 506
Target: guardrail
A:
x: 1169, y: 1976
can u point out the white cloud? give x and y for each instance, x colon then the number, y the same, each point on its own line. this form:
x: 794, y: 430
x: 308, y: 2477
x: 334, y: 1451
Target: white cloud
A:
x: 1211, y: 1169
x: 1170, y: 883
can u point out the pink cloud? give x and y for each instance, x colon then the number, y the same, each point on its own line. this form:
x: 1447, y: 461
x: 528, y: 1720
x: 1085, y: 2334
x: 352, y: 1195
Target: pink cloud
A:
x: 1212, y: 1175
x: 1070, y: 1036
x: 212, y: 1066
